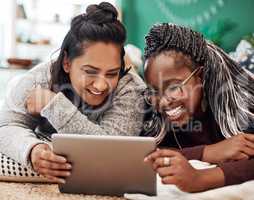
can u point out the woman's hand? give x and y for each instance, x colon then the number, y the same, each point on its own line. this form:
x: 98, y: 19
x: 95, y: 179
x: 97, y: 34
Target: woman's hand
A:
x: 180, y: 173
x: 48, y: 164
x: 239, y: 147
x: 38, y: 99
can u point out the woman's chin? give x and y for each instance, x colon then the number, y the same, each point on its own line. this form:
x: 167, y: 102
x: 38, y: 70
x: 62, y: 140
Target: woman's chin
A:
x: 178, y: 121
x: 94, y: 102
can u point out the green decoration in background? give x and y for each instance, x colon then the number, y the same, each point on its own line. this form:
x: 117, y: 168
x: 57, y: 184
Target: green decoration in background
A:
x: 217, y: 32
x: 225, y: 22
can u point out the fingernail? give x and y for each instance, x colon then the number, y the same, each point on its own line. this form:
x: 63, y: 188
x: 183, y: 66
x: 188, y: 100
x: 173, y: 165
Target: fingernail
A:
x: 68, y: 166
x: 68, y: 173
x: 62, y: 181
x: 145, y: 159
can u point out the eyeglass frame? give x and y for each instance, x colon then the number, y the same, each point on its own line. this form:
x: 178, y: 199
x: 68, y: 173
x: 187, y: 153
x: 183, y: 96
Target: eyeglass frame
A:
x: 173, y: 87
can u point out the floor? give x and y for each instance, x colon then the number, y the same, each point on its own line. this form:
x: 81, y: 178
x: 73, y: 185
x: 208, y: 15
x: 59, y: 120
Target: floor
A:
x: 31, y: 191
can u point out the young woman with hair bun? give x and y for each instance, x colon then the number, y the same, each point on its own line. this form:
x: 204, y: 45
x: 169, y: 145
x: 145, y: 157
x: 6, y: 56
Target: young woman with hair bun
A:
x: 86, y: 90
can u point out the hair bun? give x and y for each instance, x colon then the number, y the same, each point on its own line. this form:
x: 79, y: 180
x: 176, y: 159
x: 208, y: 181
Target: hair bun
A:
x: 102, y: 13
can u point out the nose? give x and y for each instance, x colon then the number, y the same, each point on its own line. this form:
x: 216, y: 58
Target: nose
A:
x: 100, y: 84
x: 165, y: 101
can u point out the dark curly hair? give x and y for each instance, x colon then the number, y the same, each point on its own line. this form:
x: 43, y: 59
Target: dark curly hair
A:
x: 229, y: 89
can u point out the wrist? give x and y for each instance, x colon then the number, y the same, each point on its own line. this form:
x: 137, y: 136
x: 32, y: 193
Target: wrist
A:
x: 36, y: 148
x: 210, y: 155
x: 205, y: 156
x: 211, y: 178
x: 50, y: 96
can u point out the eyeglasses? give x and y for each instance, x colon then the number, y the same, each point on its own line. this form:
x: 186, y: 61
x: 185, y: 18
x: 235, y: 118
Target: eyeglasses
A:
x: 152, y: 96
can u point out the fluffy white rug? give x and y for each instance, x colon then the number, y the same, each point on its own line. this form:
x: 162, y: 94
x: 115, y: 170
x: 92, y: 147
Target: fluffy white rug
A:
x: 243, y: 191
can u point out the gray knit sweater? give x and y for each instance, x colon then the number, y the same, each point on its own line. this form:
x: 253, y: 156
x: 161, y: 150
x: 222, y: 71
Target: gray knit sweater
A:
x: 124, y: 116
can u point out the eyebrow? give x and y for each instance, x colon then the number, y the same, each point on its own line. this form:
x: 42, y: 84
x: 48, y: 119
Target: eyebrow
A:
x: 169, y: 81
x: 95, y: 68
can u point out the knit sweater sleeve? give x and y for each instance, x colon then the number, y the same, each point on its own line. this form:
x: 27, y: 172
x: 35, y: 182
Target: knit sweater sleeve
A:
x: 123, y: 117
x: 17, y: 126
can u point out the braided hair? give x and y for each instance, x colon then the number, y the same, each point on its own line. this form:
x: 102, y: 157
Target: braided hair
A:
x: 229, y: 89
x: 98, y: 24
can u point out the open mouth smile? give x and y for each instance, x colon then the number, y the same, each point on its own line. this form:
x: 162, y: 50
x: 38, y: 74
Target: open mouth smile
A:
x: 175, y: 113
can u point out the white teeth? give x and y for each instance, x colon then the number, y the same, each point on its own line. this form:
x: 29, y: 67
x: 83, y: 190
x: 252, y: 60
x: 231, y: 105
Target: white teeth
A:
x: 175, y: 111
x: 95, y: 93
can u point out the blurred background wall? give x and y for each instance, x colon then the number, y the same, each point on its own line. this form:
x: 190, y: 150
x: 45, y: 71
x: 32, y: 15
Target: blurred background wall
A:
x: 225, y: 22
x: 31, y: 31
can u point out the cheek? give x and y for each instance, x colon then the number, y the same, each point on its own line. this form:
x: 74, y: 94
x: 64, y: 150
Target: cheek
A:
x: 194, y: 98
x: 112, y: 83
x: 79, y: 81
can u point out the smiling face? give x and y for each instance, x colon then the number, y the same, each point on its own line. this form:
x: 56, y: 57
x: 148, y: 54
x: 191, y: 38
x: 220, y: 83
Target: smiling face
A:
x: 169, y: 69
x: 95, y: 74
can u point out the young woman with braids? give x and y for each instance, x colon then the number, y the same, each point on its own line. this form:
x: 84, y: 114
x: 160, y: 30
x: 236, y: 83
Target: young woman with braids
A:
x: 86, y: 90
x: 205, y: 102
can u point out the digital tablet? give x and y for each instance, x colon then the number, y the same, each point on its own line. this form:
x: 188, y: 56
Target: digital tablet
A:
x: 106, y: 165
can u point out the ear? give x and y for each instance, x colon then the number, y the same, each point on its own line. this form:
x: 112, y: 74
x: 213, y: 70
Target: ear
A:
x: 66, y: 63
